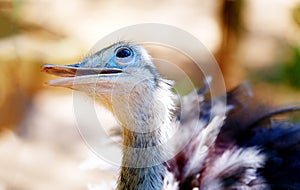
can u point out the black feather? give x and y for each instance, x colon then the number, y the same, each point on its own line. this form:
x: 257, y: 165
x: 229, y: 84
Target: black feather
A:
x: 253, y: 124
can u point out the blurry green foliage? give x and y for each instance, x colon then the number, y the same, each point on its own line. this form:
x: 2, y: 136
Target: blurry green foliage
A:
x: 296, y: 14
x: 291, y: 69
x: 286, y: 71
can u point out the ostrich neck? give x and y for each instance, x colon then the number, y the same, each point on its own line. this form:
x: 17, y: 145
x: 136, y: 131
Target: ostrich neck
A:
x: 142, y: 152
x: 145, y: 130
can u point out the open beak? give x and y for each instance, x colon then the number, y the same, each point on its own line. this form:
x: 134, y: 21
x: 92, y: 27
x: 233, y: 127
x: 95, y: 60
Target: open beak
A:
x: 76, y: 75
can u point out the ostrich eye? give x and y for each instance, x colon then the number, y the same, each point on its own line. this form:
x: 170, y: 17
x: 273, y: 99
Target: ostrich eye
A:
x: 123, y: 52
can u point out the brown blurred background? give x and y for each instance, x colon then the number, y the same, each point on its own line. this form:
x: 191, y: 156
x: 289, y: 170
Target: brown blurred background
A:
x: 40, y: 147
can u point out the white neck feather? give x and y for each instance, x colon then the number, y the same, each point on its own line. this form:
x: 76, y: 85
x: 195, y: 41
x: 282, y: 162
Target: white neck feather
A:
x: 145, y: 128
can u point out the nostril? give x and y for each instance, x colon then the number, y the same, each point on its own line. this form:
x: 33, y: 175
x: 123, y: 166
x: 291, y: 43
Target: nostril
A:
x: 74, y: 65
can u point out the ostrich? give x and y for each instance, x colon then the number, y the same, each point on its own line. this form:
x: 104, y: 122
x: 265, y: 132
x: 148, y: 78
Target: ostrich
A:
x: 248, y: 149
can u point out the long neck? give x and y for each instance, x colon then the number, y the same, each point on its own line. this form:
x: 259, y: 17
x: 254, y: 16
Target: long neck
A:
x: 143, y: 153
x: 141, y: 168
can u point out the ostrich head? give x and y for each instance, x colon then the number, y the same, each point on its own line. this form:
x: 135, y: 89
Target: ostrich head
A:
x: 123, y: 79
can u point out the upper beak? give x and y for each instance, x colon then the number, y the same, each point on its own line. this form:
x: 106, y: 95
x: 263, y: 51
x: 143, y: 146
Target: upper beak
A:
x: 78, y: 75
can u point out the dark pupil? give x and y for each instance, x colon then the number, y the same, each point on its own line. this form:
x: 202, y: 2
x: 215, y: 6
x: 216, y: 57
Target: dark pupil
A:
x: 122, y: 53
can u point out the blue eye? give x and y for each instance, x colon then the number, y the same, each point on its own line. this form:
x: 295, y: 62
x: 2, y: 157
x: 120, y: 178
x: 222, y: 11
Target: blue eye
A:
x: 123, y: 52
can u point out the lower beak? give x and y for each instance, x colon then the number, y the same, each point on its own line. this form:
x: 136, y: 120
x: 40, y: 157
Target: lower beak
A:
x: 76, y: 75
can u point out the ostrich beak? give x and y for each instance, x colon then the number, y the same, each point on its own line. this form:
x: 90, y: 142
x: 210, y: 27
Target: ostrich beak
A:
x: 78, y: 76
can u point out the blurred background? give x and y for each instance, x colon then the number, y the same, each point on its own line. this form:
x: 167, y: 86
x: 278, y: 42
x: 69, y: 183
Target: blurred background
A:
x: 40, y: 147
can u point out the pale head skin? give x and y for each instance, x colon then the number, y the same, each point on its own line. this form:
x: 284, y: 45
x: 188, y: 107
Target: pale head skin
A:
x: 123, y: 79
